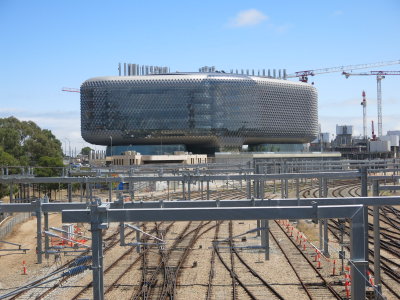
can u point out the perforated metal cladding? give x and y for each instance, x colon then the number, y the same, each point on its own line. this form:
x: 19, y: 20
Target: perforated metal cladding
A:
x: 197, y: 109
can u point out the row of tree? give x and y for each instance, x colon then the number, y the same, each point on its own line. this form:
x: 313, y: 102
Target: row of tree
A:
x: 23, y: 143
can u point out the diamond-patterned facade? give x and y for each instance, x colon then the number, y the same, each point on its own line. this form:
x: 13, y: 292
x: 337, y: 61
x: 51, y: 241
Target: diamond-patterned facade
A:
x: 205, y: 109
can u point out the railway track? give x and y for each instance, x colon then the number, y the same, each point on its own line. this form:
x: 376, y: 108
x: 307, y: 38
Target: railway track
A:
x: 160, y: 279
x: 314, y: 283
x: 390, y: 233
x: 40, y: 293
x: 115, y: 269
x: 254, y: 286
x: 159, y: 268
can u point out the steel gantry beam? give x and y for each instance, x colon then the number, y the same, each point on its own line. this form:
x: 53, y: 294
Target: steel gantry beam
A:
x: 248, y: 209
x: 100, y: 215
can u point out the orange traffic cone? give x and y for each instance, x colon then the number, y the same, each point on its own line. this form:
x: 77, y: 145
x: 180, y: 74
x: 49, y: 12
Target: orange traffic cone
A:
x: 24, y: 272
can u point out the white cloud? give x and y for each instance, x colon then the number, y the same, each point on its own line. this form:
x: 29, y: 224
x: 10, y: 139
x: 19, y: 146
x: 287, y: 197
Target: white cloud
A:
x: 250, y: 17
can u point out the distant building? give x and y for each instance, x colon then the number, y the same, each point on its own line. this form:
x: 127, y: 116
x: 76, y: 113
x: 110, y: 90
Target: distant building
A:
x: 344, y: 135
x: 131, y: 158
x: 204, y: 112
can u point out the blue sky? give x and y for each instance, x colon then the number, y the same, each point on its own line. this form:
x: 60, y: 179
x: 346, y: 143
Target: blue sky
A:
x: 47, y: 45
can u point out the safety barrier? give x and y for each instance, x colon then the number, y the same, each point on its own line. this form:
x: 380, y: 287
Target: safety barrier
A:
x: 7, y: 225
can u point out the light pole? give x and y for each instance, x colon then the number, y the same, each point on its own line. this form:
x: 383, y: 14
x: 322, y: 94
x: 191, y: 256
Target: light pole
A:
x: 69, y: 148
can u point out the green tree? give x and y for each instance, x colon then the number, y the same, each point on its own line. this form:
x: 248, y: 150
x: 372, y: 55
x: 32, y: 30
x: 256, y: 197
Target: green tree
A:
x: 86, y: 150
x: 27, y: 142
x: 23, y: 143
x: 6, y: 159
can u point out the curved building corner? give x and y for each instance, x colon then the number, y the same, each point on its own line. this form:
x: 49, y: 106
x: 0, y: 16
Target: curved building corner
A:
x: 203, y: 111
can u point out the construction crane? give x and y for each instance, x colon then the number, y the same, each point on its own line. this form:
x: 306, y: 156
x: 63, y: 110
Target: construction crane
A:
x: 364, y: 105
x: 379, y: 76
x: 303, y: 75
x: 72, y: 90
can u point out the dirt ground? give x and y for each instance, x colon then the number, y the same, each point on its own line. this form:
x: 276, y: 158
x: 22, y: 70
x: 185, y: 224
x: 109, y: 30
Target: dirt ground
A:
x: 11, y: 266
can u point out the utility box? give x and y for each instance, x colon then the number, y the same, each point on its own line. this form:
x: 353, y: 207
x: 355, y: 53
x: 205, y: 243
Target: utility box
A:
x: 69, y: 230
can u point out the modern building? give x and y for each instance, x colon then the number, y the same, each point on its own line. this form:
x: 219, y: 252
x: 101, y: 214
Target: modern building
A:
x: 197, y: 112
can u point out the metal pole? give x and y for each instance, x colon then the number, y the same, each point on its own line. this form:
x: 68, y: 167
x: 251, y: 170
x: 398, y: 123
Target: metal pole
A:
x: 11, y: 192
x: 342, y: 223
x: 132, y: 190
x: 97, y: 252
x: 168, y: 192
x: 208, y: 189
x: 326, y: 236
x: 321, y: 222
x: 377, y: 237
x: 248, y: 185
x: 189, y: 189
x: 359, y: 261
x: 81, y: 190
x: 39, y: 249
x: 138, y: 238
x: 265, y: 237
x: 69, y: 192
x: 110, y: 192
x: 286, y: 188
x: 46, y: 228
x: 364, y: 193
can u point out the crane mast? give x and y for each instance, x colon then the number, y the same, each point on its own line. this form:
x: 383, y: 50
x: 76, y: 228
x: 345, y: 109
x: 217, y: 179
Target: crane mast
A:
x: 379, y: 76
x: 379, y: 102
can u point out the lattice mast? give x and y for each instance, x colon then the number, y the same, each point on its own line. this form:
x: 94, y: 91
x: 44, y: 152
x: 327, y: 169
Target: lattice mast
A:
x: 379, y: 76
